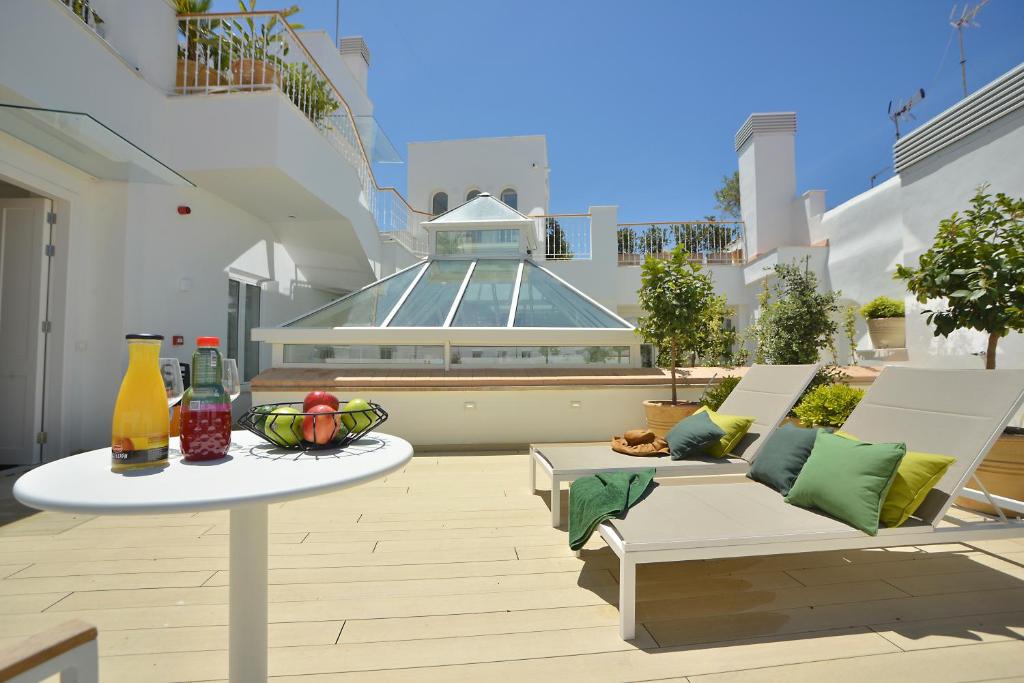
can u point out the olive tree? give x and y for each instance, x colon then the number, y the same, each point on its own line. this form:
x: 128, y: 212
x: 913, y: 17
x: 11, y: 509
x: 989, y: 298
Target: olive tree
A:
x: 976, y: 265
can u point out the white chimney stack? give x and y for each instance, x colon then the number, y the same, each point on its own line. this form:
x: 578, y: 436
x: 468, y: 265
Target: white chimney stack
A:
x: 356, y: 56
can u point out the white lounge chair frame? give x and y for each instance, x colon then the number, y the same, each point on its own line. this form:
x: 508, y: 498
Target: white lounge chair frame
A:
x: 976, y: 406
x: 766, y: 393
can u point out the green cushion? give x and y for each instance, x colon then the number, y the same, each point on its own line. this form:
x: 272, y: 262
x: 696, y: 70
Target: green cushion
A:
x: 691, y: 434
x: 734, y: 426
x: 918, y: 474
x: 848, y: 479
x: 782, y: 457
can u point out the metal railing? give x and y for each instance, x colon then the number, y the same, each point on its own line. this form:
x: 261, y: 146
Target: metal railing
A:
x: 710, y: 242
x: 259, y: 52
x: 89, y: 16
x: 566, y: 236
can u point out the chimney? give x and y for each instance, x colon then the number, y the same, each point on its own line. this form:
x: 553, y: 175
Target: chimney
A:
x: 766, y: 147
x: 356, y: 56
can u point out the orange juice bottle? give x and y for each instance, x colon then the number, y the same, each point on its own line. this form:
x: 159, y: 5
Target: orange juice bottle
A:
x: 141, y: 424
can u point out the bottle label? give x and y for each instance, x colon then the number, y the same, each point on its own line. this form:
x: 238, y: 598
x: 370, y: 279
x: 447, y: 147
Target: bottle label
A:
x: 125, y: 452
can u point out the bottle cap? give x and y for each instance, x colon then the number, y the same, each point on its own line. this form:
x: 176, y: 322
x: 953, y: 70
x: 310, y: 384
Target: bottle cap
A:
x: 144, y: 335
x: 208, y: 341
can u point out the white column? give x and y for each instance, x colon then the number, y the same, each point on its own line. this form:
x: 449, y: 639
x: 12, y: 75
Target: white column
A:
x: 247, y: 621
x: 766, y: 147
x: 627, y: 598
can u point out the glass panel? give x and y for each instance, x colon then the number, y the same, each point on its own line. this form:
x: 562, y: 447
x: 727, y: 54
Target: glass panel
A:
x: 365, y: 308
x: 85, y: 143
x: 483, y: 209
x: 488, y: 295
x: 252, y: 319
x: 233, y: 306
x: 546, y: 302
x: 532, y: 356
x: 367, y: 355
x: 432, y: 297
x: 472, y: 242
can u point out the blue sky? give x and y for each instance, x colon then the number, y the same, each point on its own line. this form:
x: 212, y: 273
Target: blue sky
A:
x: 640, y: 99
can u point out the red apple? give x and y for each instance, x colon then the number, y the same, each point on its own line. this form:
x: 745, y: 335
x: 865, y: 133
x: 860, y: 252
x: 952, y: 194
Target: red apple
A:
x: 319, y: 398
x: 317, y: 427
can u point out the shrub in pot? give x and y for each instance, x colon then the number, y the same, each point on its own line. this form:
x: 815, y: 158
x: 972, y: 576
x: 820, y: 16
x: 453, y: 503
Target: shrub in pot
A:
x: 715, y: 395
x: 258, y: 49
x: 828, y: 405
x: 682, y: 315
x: 973, y: 277
x: 886, y: 325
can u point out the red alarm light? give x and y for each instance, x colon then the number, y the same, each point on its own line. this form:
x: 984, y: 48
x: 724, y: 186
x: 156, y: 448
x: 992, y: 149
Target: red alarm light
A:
x: 178, y: 340
x: 184, y: 210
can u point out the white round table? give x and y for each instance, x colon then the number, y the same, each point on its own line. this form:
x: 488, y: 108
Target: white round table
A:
x: 253, y: 475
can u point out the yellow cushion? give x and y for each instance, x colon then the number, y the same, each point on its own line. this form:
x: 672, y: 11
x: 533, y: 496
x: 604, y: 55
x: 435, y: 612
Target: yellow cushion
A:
x: 917, y: 474
x: 734, y: 426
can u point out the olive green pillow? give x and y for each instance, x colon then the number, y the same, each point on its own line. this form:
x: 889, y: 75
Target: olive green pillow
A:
x: 918, y: 474
x: 848, y: 479
x: 735, y: 428
x: 692, y: 434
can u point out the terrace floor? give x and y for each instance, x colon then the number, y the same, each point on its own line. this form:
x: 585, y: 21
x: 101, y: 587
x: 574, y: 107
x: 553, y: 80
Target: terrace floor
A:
x: 448, y: 570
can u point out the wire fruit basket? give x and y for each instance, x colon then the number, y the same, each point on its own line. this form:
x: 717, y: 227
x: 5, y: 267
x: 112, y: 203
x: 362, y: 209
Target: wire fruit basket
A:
x: 297, y: 430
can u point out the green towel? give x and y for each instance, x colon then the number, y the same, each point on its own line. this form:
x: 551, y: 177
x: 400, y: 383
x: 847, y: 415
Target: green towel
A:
x: 602, y: 496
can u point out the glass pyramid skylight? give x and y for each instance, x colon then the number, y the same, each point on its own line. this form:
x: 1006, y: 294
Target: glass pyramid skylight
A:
x: 466, y: 293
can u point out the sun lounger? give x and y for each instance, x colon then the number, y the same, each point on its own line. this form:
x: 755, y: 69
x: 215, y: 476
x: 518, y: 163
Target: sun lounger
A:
x: 952, y: 412
x: 766, y: 393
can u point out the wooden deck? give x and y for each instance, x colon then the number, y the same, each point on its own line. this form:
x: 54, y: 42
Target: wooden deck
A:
x: 449, y: 571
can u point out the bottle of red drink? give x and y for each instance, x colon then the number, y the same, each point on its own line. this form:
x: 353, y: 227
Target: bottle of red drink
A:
x: 205, y: 407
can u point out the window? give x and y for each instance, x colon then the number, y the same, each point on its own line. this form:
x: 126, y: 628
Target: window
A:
x: 471, y: 194
x: 510, y: 197
x: 370, y: 355
x: 524, y: 356
x: 462, y: 242
x: 439, y: 203
x: 243, y: 315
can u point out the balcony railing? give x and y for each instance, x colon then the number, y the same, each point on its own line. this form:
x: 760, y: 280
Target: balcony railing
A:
x: 259, y: 52
x: 87, y: 14
x: 710, y: 242
x: 566, y: 236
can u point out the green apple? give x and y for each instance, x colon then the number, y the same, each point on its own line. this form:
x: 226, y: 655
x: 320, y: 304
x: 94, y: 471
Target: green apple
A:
x: 284, y: 426
x: 353, y: 417
x: 262, y: 412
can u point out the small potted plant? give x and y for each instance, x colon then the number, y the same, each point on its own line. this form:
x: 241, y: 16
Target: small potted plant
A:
x: 828, y: 405
x: 259, y: 49
x: 681, y: 313
x: 886, y: 324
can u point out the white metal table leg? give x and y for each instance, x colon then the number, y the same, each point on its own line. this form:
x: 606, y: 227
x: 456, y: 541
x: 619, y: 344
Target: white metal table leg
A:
x: 556, y: 501
x: 247, y: 622
x: 627, y: 599
x: 533, y: 473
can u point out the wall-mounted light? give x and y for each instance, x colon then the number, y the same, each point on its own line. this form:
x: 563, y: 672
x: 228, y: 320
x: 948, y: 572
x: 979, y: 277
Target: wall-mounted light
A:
x: 469, y: 405
x: 575, y: 404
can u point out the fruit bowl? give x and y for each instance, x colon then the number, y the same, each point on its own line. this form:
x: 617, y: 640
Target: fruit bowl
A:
x: 318, y: 428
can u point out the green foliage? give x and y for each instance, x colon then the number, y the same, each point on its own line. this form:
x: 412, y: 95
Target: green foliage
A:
x: 727, y: 197
x: 883, y: 307
x: 850, y: 331
x: 828, y: 405
x: 310, y: 93
x: 680, y: 308
x: 556, y: 243
x: 628, y: 240
x: 795, y: 327
x: 977, y: 265
x: 714, y: 396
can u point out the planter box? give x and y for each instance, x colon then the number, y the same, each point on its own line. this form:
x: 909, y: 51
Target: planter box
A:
x: 254, y: 72
x: 1002, y: 472
x: 888, y: 333
x: 193, y: 75
x: 663, y: 415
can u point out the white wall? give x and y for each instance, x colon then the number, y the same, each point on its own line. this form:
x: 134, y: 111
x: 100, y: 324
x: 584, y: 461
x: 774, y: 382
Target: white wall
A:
x: 486, y: 164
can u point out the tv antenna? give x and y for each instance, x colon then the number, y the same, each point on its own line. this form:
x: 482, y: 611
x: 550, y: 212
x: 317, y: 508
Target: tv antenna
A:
x: 966, y: 20
x: 899, y: 110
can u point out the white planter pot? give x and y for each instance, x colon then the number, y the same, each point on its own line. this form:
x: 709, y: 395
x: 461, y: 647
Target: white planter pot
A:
x: 888, y: 333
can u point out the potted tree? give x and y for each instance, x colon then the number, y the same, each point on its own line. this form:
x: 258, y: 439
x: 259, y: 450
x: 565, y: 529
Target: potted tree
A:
x: 259, y: 49
x: 886, y: 325
x: 679, y: 303
x: 198, y: 56
x: 972, y: 277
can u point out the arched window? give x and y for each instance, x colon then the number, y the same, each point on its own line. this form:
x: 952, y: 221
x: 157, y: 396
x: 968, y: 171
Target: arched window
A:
x: 471, y: 194
x: 510, y: 197
x: 439, y: 203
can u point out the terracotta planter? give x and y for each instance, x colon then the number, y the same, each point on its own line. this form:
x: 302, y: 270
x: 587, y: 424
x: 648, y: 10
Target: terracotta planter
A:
x: 248, y: 71
x: 1002, y: 472
x: 663, y: 415
x: 888, y: 333
x: 193, y: 75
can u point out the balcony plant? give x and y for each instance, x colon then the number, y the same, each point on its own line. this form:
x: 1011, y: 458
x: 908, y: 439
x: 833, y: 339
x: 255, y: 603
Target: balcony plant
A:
x: 828, y: 405
x: 886, y: 325
x: 972, y: 277
x: 200, y: 60
x: 310, y: 93
x: 259, y: 46
x: 680, y: 312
